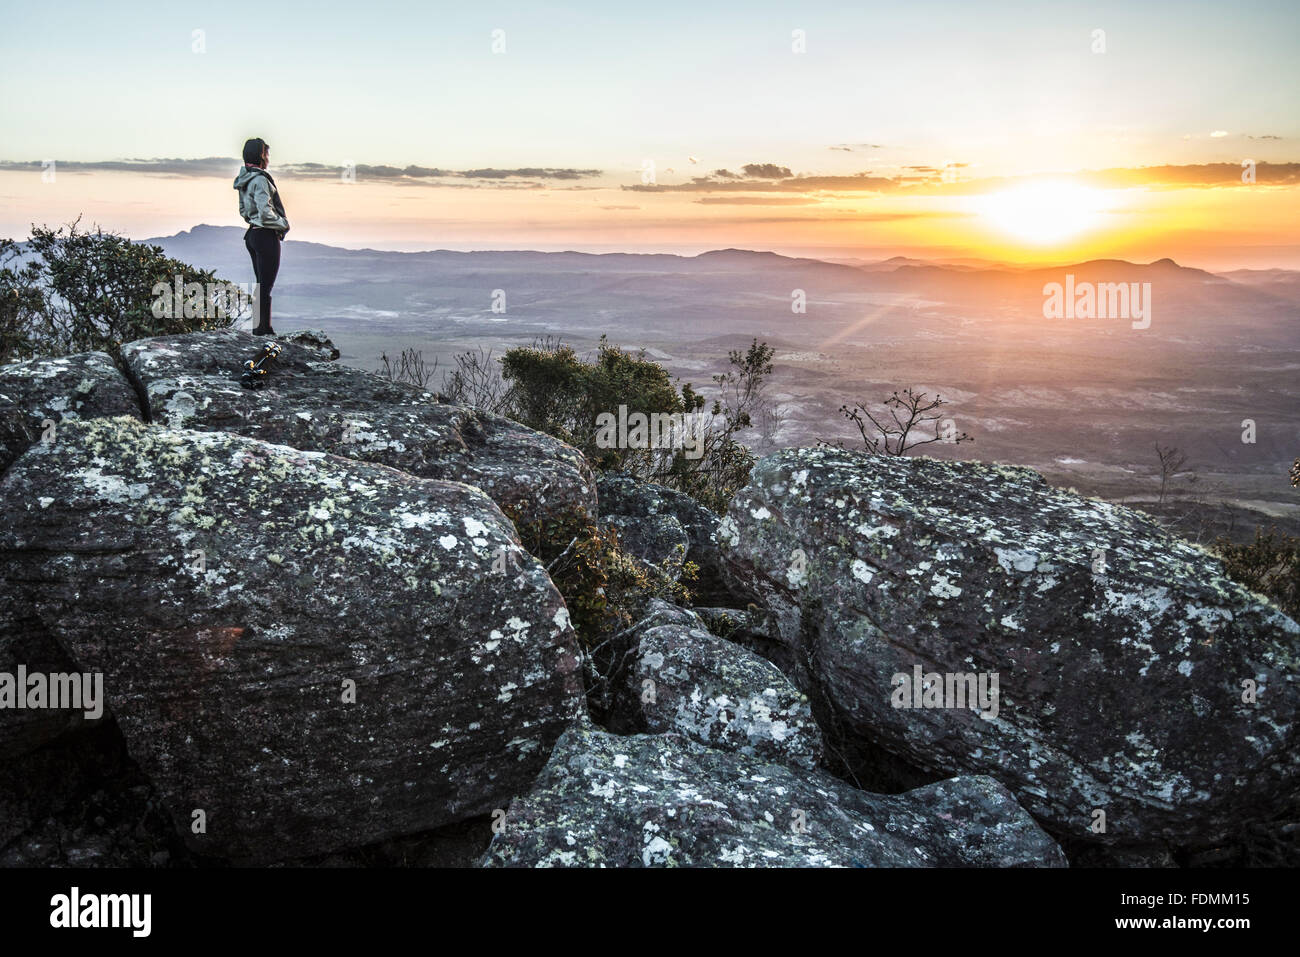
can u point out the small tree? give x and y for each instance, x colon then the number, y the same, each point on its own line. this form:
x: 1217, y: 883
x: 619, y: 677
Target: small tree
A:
x: 743, y: 388
x: 476, y: 382
x: 409, y: 367
x: 1172, y: 463
x: 742, y: 405
x: 909, y: 411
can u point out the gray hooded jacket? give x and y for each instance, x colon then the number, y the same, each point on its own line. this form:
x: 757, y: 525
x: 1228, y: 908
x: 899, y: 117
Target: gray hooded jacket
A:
x: 259, y: 200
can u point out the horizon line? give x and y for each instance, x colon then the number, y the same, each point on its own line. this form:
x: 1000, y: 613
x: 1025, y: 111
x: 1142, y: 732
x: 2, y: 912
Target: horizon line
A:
x: 940, y: 260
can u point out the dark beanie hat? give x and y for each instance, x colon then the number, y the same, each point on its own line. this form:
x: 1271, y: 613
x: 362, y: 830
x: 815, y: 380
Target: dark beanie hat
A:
x: 253, y: 151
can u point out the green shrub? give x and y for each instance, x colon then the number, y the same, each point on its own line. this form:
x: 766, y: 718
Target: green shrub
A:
x: 80, y: 291
x: 1269, y: 565
x: 603, y: 586
x: 554, y: 390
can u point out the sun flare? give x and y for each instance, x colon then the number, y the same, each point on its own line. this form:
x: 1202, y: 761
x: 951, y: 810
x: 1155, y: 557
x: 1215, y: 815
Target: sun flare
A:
x: 1044, y: 213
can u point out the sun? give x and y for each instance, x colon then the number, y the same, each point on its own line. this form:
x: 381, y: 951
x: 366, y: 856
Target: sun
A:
x: 1043, y: 213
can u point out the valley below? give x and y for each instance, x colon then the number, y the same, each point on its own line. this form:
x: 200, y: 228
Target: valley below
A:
x: 1084, y: 401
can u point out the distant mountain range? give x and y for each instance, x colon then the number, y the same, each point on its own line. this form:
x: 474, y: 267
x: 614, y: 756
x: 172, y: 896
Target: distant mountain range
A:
x: 216, y: 246
x: 721, y: 292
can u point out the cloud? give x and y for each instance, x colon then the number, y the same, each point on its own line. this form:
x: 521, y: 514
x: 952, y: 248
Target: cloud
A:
x: 324, y: 171
x: 757, y: 200
x: 847, y: 217
x: 1202, y: 175
x: 766, y: 171
x: 535, y: 173
x: 856, y: 147
x: 753, y: 180
x: 1195, y: 176
x: 930, y: 180
x: 207, y: 166
x: 860, y: 182
x: 228, y: 166
x: 1218, y: 134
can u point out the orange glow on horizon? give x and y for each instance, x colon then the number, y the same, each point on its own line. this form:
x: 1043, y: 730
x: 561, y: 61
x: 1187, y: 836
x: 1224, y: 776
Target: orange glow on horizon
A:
x: 1032, y: 222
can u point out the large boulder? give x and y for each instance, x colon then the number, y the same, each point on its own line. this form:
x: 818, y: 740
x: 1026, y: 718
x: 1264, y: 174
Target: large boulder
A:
x: 1133, y: 677
x: 685, y: 679
x: 37, y: 395
x: 313, y: 652
x: 312, y: 403
x: 666, y: 801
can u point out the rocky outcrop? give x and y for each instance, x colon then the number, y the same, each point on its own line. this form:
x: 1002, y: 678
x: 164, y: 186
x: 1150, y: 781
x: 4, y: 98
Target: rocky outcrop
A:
x: 665, y: 801
x: 313, y: 404
x: 685, y: 679
x: 1134, y: 678
x: 321, y: 644
x: 630, y: 498
x: 37, y: 395
x: 303, y: 652
x: 312, y: 339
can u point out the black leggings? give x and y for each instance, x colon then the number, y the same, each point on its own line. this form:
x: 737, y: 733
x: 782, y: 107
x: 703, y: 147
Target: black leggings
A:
x: 264, y: 247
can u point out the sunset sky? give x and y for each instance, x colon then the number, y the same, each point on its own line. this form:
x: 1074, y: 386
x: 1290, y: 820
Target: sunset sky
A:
x: 985, y: 130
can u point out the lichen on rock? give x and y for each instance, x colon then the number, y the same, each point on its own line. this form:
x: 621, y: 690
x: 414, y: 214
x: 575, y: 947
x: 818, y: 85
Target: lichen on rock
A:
x: 312, y: 403
x: 313, y: 651
x: 663, y: 800
x: 1122, y: 652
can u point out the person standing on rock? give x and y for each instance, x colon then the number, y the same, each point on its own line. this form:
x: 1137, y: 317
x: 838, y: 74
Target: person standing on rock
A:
x: 261, y: 208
